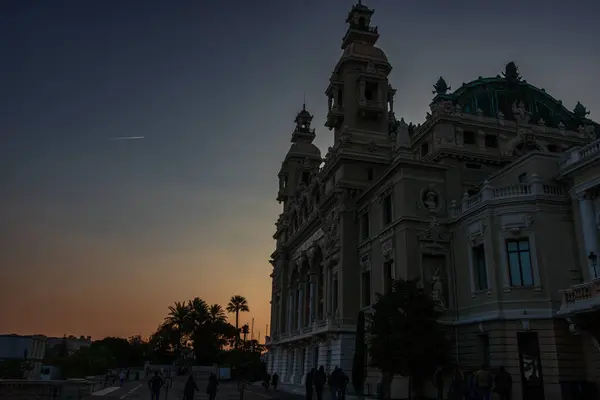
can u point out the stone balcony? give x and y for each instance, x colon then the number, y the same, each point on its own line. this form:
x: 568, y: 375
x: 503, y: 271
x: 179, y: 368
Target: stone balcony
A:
x: 318, y: 327
x: 490, y: 194
x: 580, y: 298
x: 580, y: 155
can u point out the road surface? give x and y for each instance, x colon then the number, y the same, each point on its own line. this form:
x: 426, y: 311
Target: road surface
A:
x: 138, y: 390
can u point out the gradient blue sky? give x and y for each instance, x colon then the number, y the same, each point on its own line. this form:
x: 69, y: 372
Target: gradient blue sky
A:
x: 98, y: 237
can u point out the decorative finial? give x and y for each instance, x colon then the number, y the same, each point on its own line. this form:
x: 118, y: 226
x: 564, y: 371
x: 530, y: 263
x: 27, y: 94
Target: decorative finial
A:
x: 441, y: 87
x: 304, y: 103
x: 511, y: 72
x: 580, y: 111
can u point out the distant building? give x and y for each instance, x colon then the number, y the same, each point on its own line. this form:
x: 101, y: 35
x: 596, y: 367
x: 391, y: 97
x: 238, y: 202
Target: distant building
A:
x: 74, y: 343
x: 30, y: 349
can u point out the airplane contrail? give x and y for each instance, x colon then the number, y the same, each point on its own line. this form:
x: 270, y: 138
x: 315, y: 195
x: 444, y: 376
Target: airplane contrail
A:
x: 127, y: 138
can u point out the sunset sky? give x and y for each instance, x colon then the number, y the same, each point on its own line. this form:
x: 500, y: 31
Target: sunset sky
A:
x: 98, y: 237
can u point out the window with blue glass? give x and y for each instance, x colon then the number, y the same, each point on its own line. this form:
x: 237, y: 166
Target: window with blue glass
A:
x: 519, y: 262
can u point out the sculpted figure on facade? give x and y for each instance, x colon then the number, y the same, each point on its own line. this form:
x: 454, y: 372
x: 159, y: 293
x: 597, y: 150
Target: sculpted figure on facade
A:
x: 437, y: 289
x: 522, y: 116
x: 431, y: 200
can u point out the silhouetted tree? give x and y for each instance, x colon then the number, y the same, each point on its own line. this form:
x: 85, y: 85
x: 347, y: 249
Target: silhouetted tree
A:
x: 236, y: 305
x: 405, y: 336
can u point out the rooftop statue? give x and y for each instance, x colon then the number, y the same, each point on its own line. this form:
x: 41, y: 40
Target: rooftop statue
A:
x: 511, y: 72
x: 580, y: 111
x: 441, y: 87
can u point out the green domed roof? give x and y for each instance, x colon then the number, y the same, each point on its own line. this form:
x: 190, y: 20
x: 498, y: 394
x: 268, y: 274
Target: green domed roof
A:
x: 498, y: 94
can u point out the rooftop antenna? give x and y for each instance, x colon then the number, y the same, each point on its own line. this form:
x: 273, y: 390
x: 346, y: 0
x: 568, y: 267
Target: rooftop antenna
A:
x: 252, y: 331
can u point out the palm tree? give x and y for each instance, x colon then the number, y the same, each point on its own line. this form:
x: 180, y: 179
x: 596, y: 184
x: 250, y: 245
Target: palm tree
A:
x: 216, y: 314
x: 199, y: 315
x: 177, y: 320
x: 236, y: 305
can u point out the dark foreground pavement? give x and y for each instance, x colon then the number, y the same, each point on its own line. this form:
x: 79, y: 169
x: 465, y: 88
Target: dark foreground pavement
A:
x: 138, y: 390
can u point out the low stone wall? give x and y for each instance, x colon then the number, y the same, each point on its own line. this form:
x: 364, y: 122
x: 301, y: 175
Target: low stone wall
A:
x: 20, y: 389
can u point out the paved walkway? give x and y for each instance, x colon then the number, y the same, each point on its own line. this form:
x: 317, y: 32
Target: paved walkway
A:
x: 138, y: 390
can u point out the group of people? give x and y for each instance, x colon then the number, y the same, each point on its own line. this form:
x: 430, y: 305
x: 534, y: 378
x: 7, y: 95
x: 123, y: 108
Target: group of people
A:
x: 156, y: 383
x: 483, y: 385
x: 271, y: 380
x: 112, y: 376
x: 316, y: 379
x: 315, y: 382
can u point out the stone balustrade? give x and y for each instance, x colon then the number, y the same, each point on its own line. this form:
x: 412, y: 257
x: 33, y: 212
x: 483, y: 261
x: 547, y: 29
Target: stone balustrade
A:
x: 489, y: 193
x: 20, y: 389
x: 317, y: 327
x: 581, y: 297
x: 580, y: 154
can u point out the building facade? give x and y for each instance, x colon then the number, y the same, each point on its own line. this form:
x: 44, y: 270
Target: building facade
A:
x: 491, y: 202
x: 30, y: 349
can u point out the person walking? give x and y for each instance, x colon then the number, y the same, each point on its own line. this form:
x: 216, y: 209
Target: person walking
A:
x: 275, y: 380
x: 503, y: 384
x: 343, y: 381
x: 438, y: 382
x: 483, y: 383
x: 308, y: 383
x: 213, y: 384
x: 457, y: 386
x: 320, y: 379
x: 155, y: 384
x: 189, y: 388
x: 121, y: 377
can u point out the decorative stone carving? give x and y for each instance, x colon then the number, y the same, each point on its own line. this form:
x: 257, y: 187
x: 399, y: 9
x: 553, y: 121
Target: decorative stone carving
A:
x: 476, y: 232
x: 522, y: 116
x: 441, y: 87
x: 430, y: 199
x: 434, y: 233
x: 330, y: 225
x: 371, y: 146
x: 437, y: 289
x: 515, y: 223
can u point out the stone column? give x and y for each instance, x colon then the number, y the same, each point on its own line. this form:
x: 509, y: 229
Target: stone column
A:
x: 313, y: 298
x: 299, y: 306
x: 328, y: 292
x: 290, y: 310
x: 590, y: 231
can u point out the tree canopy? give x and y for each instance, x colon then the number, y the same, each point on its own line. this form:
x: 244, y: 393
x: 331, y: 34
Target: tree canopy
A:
x: 405, y: 336
x: 191, y: 332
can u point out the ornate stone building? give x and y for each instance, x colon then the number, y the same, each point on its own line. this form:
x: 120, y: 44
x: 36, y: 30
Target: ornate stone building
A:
x: 491, y: 201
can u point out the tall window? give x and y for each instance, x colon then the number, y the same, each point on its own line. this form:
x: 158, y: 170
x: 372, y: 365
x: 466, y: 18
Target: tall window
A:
x: 387, y: 209
x: 371, y: 91
x: 484, y: 346
x: 306, y: 178
x: 387, y: 276
x: 364, y: 226
x: 366, y: 288
x: 468, y: 137
x: 335, y: 294
x: 479, y: 267
x: 321, y: 305
x: 519, y: 262
x: 491, y: 141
